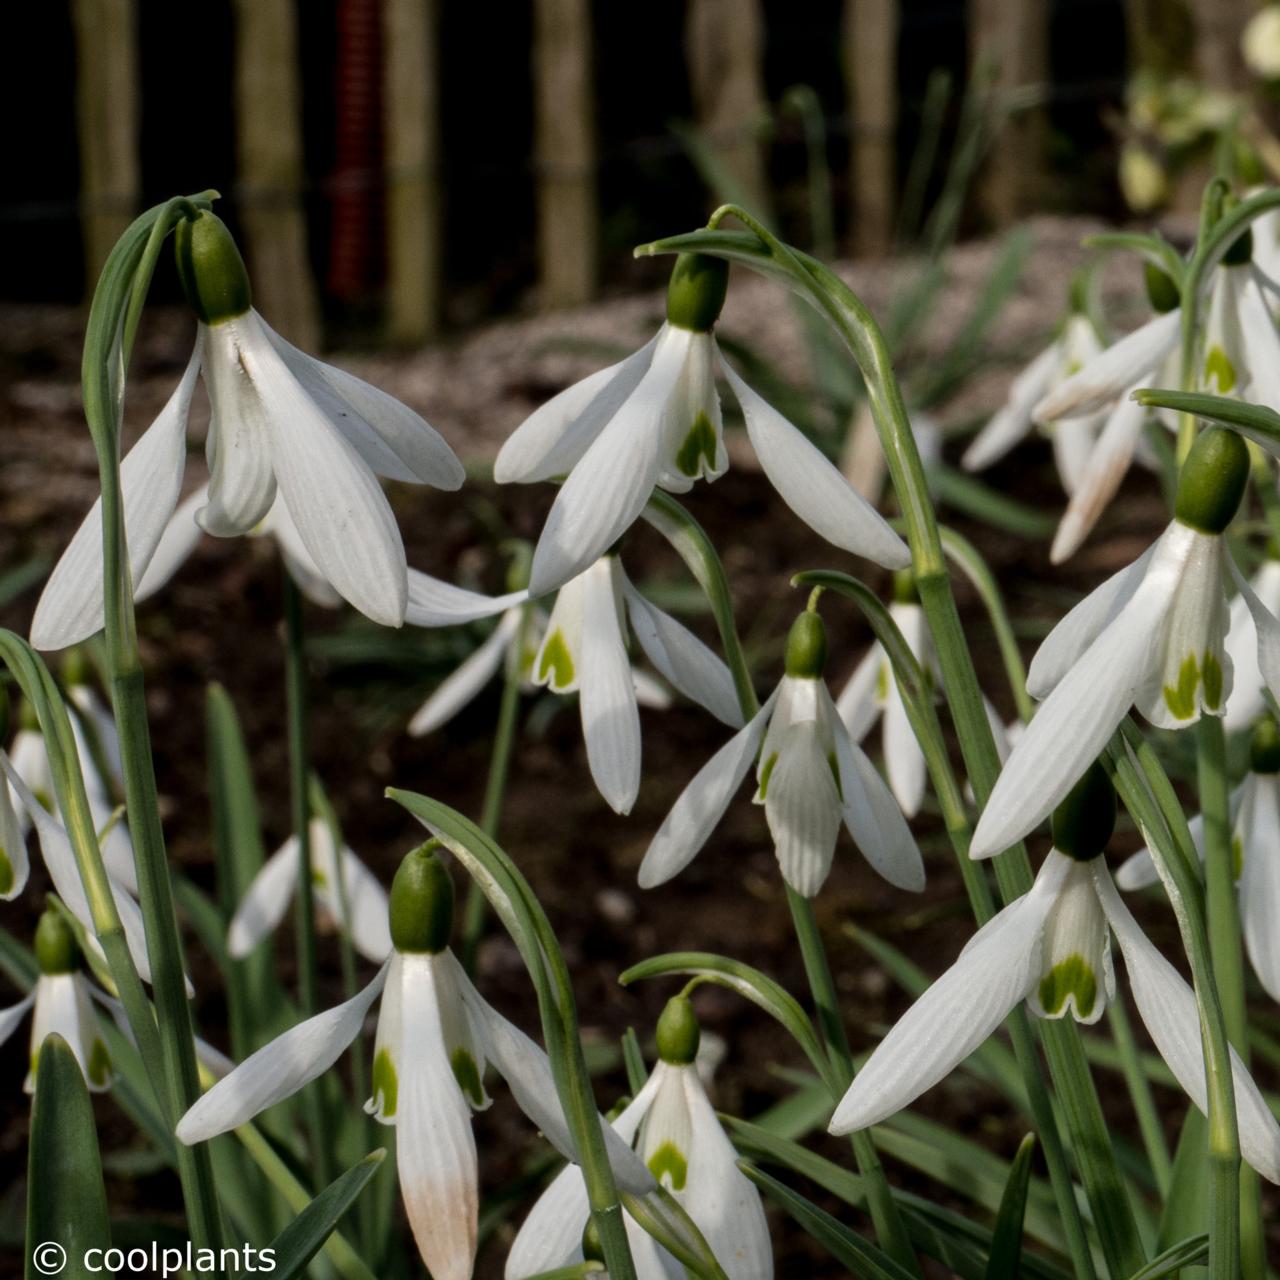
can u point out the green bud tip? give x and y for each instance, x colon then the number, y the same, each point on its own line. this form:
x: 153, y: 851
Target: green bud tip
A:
x: 696, y: 291
x: 1212, y: 480
x: 421, y: 911
x: 1264, y: 746
x: 678, y: 1032
x: 57, y: 950
x: 592, y: 1245
x: 904, y: 587
x: 1084, y: 821
x: 211, y: 269
x: 807, y: 646
x: 1162, y: 293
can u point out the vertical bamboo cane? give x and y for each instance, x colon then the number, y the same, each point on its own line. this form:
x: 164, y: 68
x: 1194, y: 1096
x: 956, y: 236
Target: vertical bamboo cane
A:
x: 564, y: 147
x: 724, y: 47
x: 268, y: 101
x: 106, y: 34
x: 415, y: 228
x: 870, y: 39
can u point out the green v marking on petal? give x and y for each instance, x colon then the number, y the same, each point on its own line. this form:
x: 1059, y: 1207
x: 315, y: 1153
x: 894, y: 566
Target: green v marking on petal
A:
x: 6, y: 872
x: 99, y: 1064
x: 667, y: 1161
x: 882, y: 683
x: 1073, y: 976
x: 1181, y: 698
x: 467, y: 1074
x: 556, y: 661
x: 1237, y: 857
x: 699, y: 445
x: 1218, y: 367
x: 1212, y: 669
x: 764, y: 776
x: 385, y: 1082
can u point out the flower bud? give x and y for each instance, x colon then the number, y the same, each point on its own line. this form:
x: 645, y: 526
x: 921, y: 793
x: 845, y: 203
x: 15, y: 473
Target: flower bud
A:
x: 211, y: 269
x: 1162, y: 292
x: 1264, y: 746
x: 678, y: 1032
x: 1084, y: 821
x: 421, y: 911
x: 807, y: 646
x: 57, y: 950
x: 1212, y: 480
x: 696, y: 291
x: 904, y: 587
x: 592, y: 1245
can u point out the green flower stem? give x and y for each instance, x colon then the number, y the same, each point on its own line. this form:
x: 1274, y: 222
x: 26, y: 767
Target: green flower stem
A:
x: 1148, y: 795
x: 691, y: 541
x: 928, y: 731
x: 495, y: 789
x: 1140, y: 1096
x: 113, y: 319
x: 763, y: 252
x: 1226, y: 953
x: 295, y: 679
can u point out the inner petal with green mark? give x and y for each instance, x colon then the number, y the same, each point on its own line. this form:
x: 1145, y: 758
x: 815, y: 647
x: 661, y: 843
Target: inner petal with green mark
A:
x: 882, y: 683
x: 556, y: 667
x: 1218, y: 368
x: 1071, y: 979
x: 467, y: 1074
x: 668, y: 1162
x: 698, y: 452
x: 765, y: 770
x: 6, y: 872
x: 1180, y: 698
x: 386, y: 1084
x: 1211, y: 673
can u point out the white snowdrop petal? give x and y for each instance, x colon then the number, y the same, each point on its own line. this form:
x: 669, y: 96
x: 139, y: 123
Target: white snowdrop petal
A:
x: 554, y: 437
x: 803, y: 809
x: 1247, y: 701
x: 1260, y: 342
x: 265, y: 901
x: 280, y: 1068
x: 465, y: 682
x: 812, y: 487
x: 1259, y: 832
x: 702, y: 803
x: 70, y: 608
x: 861, y: 700
x: 1101, y: 380
x: 551, y: 1236
x: 63, y: 1007
x: 298, y: 560
x: 682, y: 658
x: 181, y: 536
x: 956, y: 1014
x: 1075, y: 965
x: 434, y: 603
x: 904, y: 760
x: 1012, y: 421
x: 1167, y: 1006
x: 1072, y: 441
x: 1267, y: 628
x: 15, y: 866
x: 368, y: 905
x: 650, y: 692
x: 11, y: 1018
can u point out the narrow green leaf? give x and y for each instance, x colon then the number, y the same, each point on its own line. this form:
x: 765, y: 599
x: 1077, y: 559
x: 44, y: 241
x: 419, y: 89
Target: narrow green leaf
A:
x: 971, y: 497
x: 572, y: 1272
x: 633, y: 1060
x: 1185, y: 1253
x: 862, y: 1258
x: 66, y: 1201
x: 752, y: 985
x: 1187, y: 1206
x: 1253, y: 420
x: 1006, y: 1242
x: 666, y: 1220
x: 301, y: 1240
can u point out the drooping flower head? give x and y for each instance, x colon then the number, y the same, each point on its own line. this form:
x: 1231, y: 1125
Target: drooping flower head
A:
x: 811, y: 776
x: 1151, y: 637
x: 1052, y: 948
x: 282, y: 424
x: 675, y: 1130
x: 654, y: 420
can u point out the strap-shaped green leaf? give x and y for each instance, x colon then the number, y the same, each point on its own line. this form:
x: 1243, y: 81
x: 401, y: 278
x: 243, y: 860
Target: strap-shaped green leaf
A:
x: 299, y: 1242
x: 1006, y: 1241
x: 66, y: 1201
x: 1185, y: 1253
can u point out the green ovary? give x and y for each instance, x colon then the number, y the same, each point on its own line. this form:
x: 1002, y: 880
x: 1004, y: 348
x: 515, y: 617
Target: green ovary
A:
x: 1070, y: 977
x: 385, y: 1083
x: 556, y: 662
x: 699, y: 445
x: 1218, y: 368
x: 668, y: 1162
x: 467, y: 1074
x: 1181, y: 698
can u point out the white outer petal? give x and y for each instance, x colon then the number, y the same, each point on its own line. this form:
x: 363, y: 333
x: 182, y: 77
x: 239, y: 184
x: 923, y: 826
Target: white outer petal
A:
x: 70, y: 608
x: 280, y: 1068
x: 181, y: 536
x: 1168, y: 1008
x: 463, y: 684
x: 369, y: 927
x: 1259, y: 827
x: 302, y: 568
x: 1247, y: 702
x: 682, y: 658
x: 858, y: 703
x: 435, y: 603
x: 803, y: 809
x: 1072, y: 440
x: 1267, y: 628
x: 13, y: 845
x: 1012, y: 421
x: 814, y: 489
x: 265, y: 901
x: 702, y: 803
x: 11, y: 1018
x: 957, y: 1013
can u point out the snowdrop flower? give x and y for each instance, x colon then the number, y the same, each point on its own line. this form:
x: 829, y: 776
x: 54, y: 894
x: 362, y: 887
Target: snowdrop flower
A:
x: 55, y: 848
x: 1254, y: 810
x: 873, y: 690
x: 63, y: 1002
x: 1074, y: 347
x: 357, y: 895
x: 810, y: 776
x: 282, y: 423
x: 435, y: 1035
x: 1051, y: 948
x: 654, y: 420
x: 1260, y: 43
x: 1152, y: 636
x: 677, y: 1134
x: 1247, y: 701
x: 30, y: 758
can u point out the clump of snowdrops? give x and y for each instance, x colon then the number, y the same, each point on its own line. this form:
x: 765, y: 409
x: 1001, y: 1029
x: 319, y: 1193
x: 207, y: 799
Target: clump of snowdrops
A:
x: 1183, y: 642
